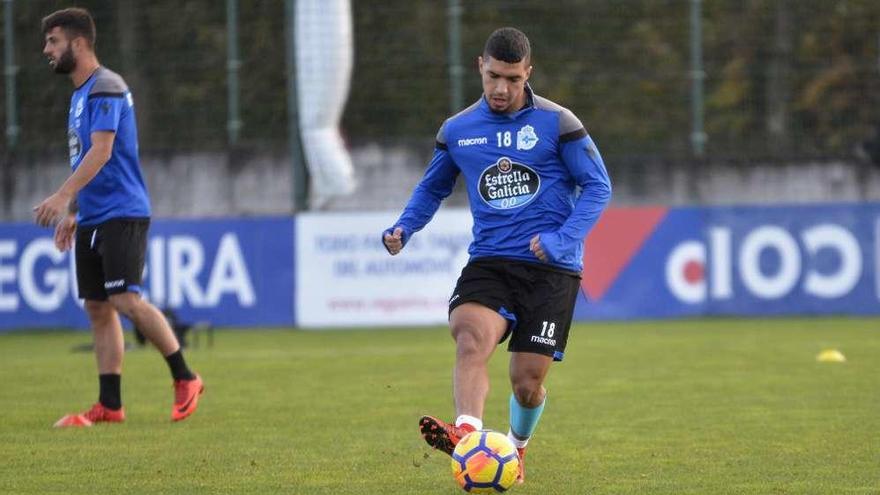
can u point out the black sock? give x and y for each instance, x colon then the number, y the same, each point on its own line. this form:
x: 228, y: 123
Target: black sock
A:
x: 179, y: 370
x: 110, y: 395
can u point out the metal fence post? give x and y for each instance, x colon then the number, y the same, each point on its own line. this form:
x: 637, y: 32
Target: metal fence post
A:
x: 10, y: 70
x: 297, y: 160
x: 697, y: 76
x: 233, y: 65
x: 456, y: 70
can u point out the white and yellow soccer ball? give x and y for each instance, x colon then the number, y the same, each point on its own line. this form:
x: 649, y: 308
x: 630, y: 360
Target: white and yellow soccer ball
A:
x: 485, y: 461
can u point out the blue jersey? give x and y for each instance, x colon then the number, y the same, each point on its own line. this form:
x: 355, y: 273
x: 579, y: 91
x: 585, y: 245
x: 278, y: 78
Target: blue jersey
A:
x: 104, y: 103
x: 534, y: 171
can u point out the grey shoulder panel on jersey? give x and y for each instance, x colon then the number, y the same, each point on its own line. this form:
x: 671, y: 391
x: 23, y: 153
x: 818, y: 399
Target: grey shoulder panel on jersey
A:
x: 473, y: 106
x: 570, y: 127
x: 108, y: 82
x: 441, y: 138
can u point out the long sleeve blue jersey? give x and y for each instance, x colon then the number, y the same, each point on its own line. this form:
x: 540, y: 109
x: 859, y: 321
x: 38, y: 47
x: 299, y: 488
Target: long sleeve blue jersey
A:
x: 534, y: 171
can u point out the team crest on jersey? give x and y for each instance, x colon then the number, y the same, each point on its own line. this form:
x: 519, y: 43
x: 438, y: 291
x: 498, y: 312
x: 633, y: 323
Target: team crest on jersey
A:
x: 80, y: 106
x: 506, y: 184
x: 526, y: 138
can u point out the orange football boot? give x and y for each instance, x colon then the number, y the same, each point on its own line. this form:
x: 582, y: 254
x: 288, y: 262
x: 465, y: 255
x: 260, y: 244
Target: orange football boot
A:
x: 442, y: 435
x: 186, y: 397
x: 521, y: 474
x: 97, y: 414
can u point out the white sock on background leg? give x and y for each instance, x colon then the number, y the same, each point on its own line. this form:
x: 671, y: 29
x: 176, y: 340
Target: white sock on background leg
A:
x: 520, y: 444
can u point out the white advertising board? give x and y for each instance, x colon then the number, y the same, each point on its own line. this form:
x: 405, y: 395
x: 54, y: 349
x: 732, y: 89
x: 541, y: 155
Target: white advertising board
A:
x: 345, y: 277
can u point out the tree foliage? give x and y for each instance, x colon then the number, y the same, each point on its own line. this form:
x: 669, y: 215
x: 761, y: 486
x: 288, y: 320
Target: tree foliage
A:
x: 784, y: 78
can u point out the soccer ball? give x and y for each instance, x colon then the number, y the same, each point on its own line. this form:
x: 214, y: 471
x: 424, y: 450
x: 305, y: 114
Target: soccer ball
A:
x: 485, y: 462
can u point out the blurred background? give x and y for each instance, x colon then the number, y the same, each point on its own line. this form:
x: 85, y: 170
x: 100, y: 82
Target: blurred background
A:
x: 690, y: 101
x: 279, y: 138
x: 742, y: 137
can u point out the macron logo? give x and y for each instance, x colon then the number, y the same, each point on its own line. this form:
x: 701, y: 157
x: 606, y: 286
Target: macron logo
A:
x: 113, y: 284
x: 473, y: 141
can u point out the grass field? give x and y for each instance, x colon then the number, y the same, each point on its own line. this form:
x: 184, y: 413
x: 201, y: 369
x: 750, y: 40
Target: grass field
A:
x: 694, y: 407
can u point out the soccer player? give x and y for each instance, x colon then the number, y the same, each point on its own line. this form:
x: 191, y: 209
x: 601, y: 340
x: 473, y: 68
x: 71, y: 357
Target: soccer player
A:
x: 536, y: 184
x: 103, y: 207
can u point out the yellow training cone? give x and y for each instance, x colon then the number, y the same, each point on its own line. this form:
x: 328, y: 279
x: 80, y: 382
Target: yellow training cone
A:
x: 831, y: 356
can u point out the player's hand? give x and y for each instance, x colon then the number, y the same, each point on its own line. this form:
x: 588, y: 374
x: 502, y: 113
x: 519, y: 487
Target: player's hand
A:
x: 394, y: 241
x: 64, y: 232
x: 537, y: 250
x: 52, y: 209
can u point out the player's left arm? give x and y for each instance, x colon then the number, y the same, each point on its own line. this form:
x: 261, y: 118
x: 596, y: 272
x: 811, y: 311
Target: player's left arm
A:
x: 53, y: 208
x: 583, y: 160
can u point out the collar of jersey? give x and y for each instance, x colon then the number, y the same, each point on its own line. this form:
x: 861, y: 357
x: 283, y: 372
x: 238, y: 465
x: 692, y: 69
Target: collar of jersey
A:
x: 92, y: 76
x: 530, y: 105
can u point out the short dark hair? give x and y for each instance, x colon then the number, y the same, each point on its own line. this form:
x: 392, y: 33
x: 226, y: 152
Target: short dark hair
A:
x: 508, y: 45
x: 74, y: 21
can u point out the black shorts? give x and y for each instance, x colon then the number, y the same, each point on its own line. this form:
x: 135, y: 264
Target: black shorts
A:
x: 110, y: 257
x: 537, y: 300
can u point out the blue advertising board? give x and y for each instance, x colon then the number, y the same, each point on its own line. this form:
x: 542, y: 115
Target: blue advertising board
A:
x: 230, y: 272
x: 733, y: 261
x: 640, y: 263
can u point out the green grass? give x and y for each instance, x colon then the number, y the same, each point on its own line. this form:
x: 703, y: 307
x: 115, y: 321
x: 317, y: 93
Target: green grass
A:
x: 685, y: 407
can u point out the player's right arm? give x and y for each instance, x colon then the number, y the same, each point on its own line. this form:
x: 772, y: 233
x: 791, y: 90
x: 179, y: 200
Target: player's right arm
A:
x: 435, y: 186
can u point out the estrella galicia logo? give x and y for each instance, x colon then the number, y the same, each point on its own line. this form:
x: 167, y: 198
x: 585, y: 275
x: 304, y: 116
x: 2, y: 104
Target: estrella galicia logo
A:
x: 506, y: 184
x: 74, y: 145
x: 526, y: 138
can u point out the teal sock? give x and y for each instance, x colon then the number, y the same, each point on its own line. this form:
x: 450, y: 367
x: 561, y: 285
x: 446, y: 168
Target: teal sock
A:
x: 523, y: 420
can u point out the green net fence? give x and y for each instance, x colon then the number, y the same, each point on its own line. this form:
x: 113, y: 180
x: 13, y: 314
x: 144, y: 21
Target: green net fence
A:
x: 784, y: 79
